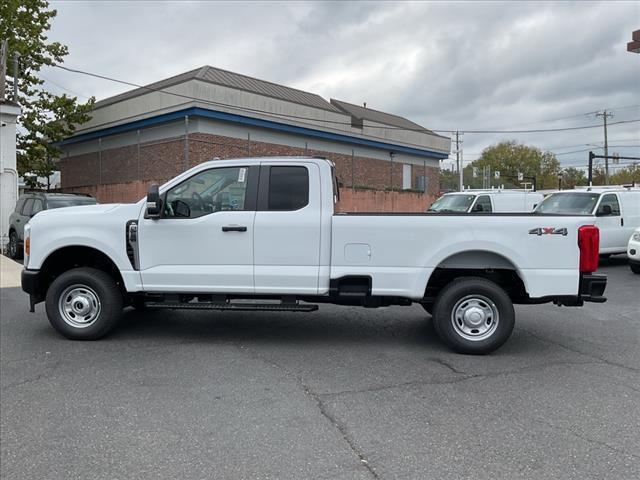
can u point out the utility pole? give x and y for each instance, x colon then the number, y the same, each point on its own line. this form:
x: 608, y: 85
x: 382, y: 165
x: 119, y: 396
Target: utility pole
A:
x: 3, y: 69
x: 459, y: 161
x: 16, y: 75
x: 604, y: 116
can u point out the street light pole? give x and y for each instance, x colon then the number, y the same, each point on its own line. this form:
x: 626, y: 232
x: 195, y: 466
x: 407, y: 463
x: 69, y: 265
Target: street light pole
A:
x: 604, y: 116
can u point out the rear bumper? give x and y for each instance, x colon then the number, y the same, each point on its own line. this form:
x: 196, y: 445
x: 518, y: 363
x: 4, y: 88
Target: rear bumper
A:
x: 592, y: 288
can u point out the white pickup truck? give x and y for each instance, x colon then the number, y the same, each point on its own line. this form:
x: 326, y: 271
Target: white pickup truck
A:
x: 263, y: 234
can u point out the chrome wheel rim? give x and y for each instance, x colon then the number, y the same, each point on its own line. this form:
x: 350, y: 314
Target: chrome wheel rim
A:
x: 475, y: 317
x: 79, y: 306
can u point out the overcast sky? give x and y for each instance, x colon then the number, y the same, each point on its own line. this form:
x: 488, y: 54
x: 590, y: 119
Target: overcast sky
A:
x: 444, y: 65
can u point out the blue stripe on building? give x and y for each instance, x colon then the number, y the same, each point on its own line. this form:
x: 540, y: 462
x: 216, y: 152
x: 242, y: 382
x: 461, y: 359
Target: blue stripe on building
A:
x: 255, y: 122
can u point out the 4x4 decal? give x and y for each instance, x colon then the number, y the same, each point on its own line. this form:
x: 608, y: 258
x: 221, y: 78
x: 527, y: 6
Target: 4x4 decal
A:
x: 548, y: 231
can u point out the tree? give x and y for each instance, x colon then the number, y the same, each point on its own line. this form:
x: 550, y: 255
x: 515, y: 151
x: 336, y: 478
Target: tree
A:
x: 46, y: 118
x: 571, y: 177
x: 626, y: 175
x: 511, y: 158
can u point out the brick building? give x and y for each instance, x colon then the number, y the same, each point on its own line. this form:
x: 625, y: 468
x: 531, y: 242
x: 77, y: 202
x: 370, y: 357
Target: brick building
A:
x: 150, y: 134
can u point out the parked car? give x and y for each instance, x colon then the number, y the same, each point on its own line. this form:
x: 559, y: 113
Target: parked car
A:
x: 633, y: 251
x: 33, y: 202
x: 615, y: 211
x: 266, y: 230
x: 487, y: 201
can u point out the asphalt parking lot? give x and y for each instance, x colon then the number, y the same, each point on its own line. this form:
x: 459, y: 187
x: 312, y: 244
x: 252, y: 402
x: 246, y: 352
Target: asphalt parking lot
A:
x: 338, y: 394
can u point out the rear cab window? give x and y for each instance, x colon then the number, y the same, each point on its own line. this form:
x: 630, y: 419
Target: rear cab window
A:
x: 288, y: 188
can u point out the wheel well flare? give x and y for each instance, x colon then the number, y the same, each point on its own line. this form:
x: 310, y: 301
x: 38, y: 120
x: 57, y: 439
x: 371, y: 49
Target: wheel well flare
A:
x: 68, y: 258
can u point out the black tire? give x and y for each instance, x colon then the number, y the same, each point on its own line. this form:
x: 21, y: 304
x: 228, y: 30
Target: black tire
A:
x: 635, y: 268
x: 485, y: 302
x: 13, y: 248
x: 87, y: 285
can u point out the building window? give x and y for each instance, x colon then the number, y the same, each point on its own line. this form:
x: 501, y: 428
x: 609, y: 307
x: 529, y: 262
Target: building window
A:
x: 406, y: 176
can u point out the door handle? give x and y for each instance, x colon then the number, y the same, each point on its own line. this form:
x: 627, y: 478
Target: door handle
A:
x: 622, y: 222
x: 234, y: 228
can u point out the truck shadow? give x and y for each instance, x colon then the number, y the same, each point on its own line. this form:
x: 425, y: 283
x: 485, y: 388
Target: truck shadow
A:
x: 614, y: 261
x: 329, y: 325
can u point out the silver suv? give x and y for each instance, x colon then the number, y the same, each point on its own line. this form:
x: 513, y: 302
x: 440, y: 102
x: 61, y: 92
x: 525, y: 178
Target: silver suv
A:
x: 31, y: 203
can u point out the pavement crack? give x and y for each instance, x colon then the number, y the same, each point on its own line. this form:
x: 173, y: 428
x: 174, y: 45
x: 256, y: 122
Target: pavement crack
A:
x: 322, y: 408
x: 341, y: 428
x: 47, y: 373
x: 580, y: 352
x: 445, y: 364
x: 462, y: 378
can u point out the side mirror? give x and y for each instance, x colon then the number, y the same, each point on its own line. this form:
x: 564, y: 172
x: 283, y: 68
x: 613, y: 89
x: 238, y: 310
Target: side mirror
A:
x: 478, y: 207
x: 154, y: 202
x: 604, y: 211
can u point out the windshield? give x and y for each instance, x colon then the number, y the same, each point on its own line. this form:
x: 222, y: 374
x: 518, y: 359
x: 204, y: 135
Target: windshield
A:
x: 569, y: 203
x: 70, y: 202
x: 452, y: 203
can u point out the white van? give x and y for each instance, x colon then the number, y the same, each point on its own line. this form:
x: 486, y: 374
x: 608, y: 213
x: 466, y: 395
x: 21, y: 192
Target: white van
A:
x: 487, y: 201
x: 616, y: 208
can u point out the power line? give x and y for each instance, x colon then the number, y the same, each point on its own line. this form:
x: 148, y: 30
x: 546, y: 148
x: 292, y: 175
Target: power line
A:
x: 63, y: 88
x: 297, y: 117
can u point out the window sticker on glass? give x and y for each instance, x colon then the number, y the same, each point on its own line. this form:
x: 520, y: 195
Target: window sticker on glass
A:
x: 242, y: 175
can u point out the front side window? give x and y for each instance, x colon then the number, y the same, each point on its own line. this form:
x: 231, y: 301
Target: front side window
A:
x: 483, y: 204
x: 27, y: 207
x: 215, y: 190
x: 611, y: 201
x: 288, y: 188
x: 19, y: 205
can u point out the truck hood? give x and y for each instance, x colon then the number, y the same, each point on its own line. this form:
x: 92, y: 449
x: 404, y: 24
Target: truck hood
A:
x: 81, y: 213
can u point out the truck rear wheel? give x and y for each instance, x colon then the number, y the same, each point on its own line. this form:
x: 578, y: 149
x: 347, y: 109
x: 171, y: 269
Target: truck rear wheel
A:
x: 473, y: 315
x: 84, y: 304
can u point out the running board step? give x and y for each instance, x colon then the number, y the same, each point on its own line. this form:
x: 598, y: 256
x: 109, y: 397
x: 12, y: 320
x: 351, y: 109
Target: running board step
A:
x: 242, y: 307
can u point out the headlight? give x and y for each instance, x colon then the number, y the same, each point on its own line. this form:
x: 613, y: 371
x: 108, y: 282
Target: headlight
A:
x: 635, y: 237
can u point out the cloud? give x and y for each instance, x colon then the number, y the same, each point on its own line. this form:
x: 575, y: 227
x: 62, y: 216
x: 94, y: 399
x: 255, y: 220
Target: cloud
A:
x: 454, y: 65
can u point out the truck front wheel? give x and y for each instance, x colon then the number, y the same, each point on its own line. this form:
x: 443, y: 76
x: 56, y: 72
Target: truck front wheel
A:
x: 84, y: 304
x: 473, y: 315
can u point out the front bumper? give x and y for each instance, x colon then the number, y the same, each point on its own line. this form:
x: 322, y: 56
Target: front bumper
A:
x: 31, y: 283
x: 30, y: 280
x: 592, y: 288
